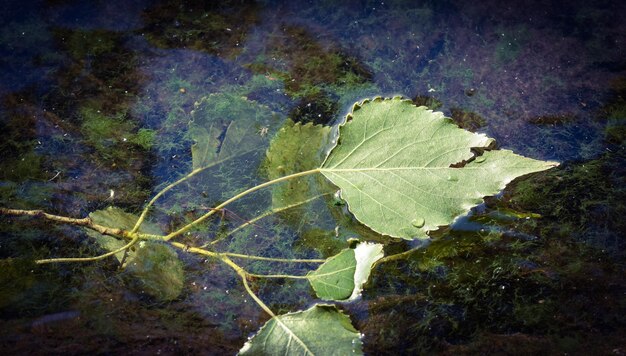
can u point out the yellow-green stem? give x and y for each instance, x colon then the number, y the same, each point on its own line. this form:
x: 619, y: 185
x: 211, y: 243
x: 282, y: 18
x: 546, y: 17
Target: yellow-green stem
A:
x: 266, y: 214
x: 276, y: 276
x: 288, y: 260
x: 144, y: 213
x: 236, y: 197
x: 90, y: 259
x: 244, y: 278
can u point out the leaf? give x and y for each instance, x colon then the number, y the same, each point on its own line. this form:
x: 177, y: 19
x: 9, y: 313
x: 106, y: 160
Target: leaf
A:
x: 320, y: 330
x: 343, y: 275
x: 296, y: 148
x: 152, y: 267
x: 396, y: 165
x: 334, y: 279
x: 226, y: 126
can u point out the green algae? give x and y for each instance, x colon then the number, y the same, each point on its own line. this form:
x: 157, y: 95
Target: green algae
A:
x: 428, y: 101
x: 310, y: 66
x: 202, y: 27
x: 595, y: 212
x: 467, y: 120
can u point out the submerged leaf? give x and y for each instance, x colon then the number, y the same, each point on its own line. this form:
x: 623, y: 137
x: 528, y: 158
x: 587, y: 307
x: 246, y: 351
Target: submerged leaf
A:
x: 396, y: 165
x: 151, y: 267
x: 343, y: 275
x: 320, y: 330
x: 154, y: 269
x: 296, y: 148
x: 225, y: 126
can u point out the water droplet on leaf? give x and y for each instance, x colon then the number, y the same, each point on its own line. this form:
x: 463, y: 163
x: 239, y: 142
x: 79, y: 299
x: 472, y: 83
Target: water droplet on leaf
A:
x: 452, y: 178
x: 480, y: 159
x: 418, y: 222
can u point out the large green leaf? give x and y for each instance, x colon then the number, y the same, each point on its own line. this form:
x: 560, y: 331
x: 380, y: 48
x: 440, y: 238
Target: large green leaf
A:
x: 343, y: 275
x: 320, y: 330
x: 401, y: 167
x: 225, y: 126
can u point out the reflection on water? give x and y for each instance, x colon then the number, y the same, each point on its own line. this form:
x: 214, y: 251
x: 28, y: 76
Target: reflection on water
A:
x: 96, y: 106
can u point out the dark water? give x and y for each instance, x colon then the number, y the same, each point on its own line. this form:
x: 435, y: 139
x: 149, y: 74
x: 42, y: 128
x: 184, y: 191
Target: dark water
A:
x: 96, y: 101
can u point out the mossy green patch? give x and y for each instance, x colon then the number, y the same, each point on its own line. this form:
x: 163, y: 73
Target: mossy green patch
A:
x: 204, y: 27
x: 110, y: 134
x: 144, y: 138
x: 311, y: 66
x: 468, y: 120
x: 598, y: 188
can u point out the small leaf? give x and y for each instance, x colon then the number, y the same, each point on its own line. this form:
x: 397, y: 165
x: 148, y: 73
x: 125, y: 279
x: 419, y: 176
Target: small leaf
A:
x: 155, y: 269
x: 320, y: 330
x: 396, y: 166
x: 334, y: 279
x: 342, y: 276
x: 151, y: 267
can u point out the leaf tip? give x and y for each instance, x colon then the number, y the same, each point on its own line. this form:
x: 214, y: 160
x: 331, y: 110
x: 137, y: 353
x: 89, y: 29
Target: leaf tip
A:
x: 552, y: 164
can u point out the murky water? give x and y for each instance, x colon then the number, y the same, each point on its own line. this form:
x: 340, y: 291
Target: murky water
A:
x: 98, y: 102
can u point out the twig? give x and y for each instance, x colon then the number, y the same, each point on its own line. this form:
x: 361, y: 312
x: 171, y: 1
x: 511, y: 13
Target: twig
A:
x: 85, y: 222
x: 276, y: 276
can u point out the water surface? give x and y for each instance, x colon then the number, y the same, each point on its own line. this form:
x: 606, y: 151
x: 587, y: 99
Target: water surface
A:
x: 96, y: 104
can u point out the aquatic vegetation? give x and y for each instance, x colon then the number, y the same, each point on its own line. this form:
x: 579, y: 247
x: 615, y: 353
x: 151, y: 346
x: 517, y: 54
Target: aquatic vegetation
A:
x: 203, y: 27
x: 355, y: 159
x: 427, y: 101
x: 86, y: 45
x: 598, y: 186
x: 308, y: 69
x: 511, y: 43
x: 467, y: 120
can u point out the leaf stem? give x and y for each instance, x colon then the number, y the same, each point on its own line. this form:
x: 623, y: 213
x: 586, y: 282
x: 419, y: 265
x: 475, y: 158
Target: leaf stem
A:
x: 264, y: 215
x: 236, y: 197
x: 244, y: 278
x: 240, y: 271
x: 276, y: 276
x: 144, y: 213
x: 397, y: 256
x: 287, y: 260
x: 90, y: 259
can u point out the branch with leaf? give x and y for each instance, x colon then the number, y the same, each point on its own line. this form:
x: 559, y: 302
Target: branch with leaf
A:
x: 403, y: 171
